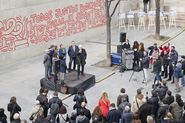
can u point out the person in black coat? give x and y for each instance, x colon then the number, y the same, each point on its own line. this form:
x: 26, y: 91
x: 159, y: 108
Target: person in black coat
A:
x: 126, y: 45
x: 154, y: 101
x: 81, y: 59
x: 81, y: 118
x: 157, y: 70
x: 144, y: 111
x: 169, y: 98
x: 3, y: 117
x: 87, y: 112
x: 13, y: 107
x: 42, y: 98
x: 114, y: 115
x: 72, y: 52
x: 54, y: 99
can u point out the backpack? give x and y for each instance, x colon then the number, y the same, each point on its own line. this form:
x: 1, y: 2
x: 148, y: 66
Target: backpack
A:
x: 54, y: 109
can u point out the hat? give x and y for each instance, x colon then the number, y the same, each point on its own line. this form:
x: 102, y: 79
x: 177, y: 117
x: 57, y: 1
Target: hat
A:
x: 16, y: 116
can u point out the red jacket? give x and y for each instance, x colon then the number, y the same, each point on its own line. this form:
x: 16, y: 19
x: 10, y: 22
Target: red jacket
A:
x: 104, y: 107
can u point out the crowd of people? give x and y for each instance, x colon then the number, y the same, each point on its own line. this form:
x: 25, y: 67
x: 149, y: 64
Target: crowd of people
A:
x: 161, y: 107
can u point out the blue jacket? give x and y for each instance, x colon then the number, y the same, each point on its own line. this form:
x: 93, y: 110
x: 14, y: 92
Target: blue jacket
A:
x: 62, y: 53
x: 177, y: 72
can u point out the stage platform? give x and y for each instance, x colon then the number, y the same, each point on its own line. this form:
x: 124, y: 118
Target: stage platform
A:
x: 71, y: 84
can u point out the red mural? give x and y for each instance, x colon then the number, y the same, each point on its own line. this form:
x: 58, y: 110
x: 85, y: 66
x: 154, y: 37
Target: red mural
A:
x: 24, y: 31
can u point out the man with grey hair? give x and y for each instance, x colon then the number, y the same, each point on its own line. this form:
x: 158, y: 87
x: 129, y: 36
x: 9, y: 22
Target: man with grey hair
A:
x: 47, y: 63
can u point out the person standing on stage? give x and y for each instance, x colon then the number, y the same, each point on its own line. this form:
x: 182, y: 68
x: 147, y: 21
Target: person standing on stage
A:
x: 63, y: 67
x: 47, y: 64
x: 81, y: 59
x: 72, y: 52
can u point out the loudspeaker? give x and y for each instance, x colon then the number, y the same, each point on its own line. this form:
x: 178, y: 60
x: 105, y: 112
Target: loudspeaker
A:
x: 122, y: 37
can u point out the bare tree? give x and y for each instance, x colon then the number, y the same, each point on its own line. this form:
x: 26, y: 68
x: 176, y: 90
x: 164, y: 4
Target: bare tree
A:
x: 157, y: 20
x: 109, y: 17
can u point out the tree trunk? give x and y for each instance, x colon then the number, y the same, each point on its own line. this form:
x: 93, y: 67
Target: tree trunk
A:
x: 108, y: 60
x: 157, y: 20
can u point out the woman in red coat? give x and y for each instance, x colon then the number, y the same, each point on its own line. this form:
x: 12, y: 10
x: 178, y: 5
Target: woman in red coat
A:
x: 104, y: 104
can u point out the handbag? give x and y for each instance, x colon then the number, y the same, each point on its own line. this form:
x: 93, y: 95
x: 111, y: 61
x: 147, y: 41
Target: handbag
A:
x: 32, y: 116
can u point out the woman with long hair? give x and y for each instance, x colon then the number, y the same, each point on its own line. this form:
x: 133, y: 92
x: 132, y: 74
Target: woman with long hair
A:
x: 97, y: 115
x: 104, y: 104
x: 13, y: 107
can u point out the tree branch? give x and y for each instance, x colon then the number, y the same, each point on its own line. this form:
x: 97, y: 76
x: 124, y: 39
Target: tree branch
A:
x: 115, y: 8
x: 109, y: 3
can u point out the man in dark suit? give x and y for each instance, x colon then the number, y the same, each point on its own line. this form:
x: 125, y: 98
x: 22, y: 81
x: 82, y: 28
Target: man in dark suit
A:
x: 72, y: 52
x: 81, y: 59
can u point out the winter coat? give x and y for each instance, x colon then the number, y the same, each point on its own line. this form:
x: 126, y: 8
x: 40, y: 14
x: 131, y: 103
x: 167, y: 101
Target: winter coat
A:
x: 37, y: 111
x: 3, y: 117
x: 104, y: 107
x: 63, y: 66
x: 62, y: 53
x: 144, y: 111
x: 177, y: 71
x: 165, y: 59
x: 79, y: 99
x: 138, y: 101
x: 114, y: 115
x: 121, y: 98
x: 176, y: 111
x: 157, y: 66
x: 163, y: 109
x: 170, y: 99
x: 81, y: 57
x: 82, y: 119
x: 87, y: 112
x: 161, y: 91
x: 174, y: 56
x: 71, y: 52
x: 55, y: 99
x: 13, y: 108
x: 126, y: 46
x: 154, y: 101
x: 126, y: 117
x: 47, y: 60
x: 145, y: 62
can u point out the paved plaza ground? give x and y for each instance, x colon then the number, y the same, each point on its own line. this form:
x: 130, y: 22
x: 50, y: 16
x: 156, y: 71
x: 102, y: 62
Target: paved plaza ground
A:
x: 22, y: 79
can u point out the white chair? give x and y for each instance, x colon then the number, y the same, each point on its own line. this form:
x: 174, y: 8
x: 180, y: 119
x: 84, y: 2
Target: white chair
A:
x: 121, y: 21
x: 141, y: 22
x: 172, y: 18
x: 151, y: 17
x: 130, y: 17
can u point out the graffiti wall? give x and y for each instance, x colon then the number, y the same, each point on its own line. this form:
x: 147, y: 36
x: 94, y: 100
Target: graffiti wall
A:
x: 19, y: 32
